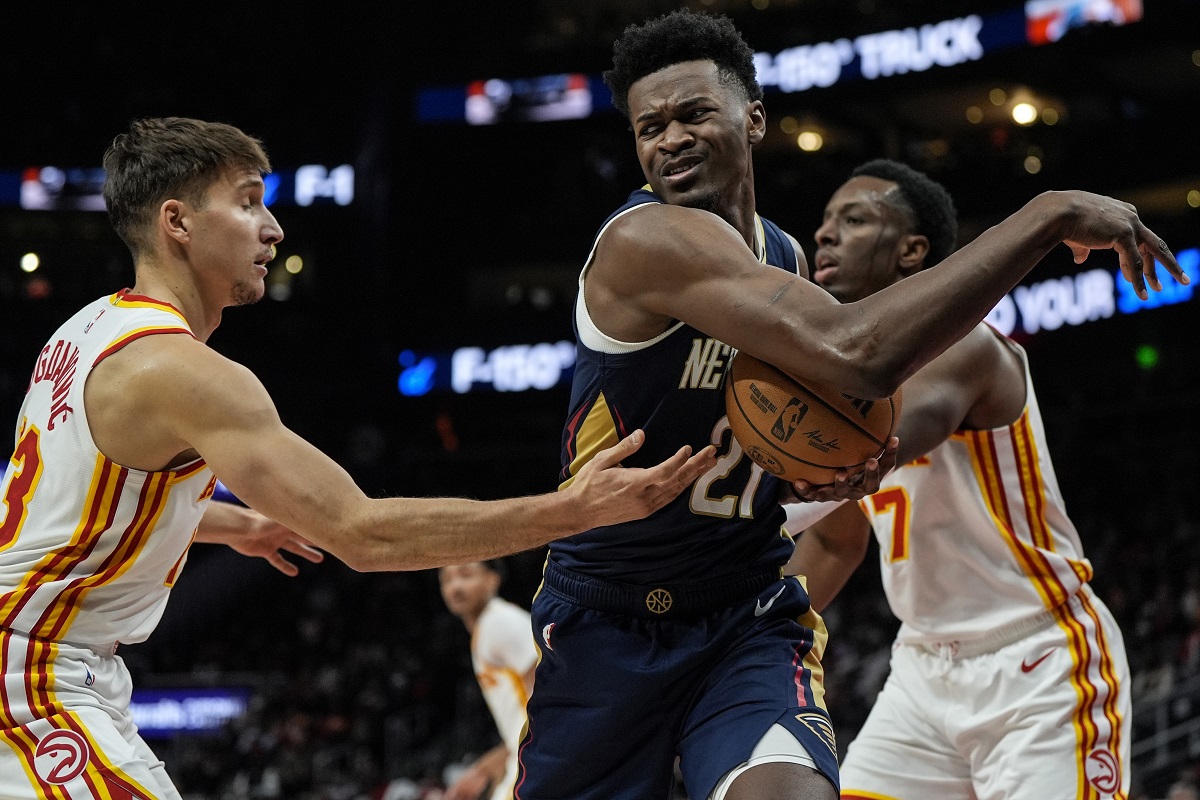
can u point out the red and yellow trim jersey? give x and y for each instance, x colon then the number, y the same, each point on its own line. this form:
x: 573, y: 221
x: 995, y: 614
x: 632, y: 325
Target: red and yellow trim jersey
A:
x: 979, y: 519
x: 89, y: 548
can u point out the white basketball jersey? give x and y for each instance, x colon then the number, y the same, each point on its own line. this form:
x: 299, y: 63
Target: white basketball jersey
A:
x: 89, y: 549
x: 974, y: 535
x: 502, y: 651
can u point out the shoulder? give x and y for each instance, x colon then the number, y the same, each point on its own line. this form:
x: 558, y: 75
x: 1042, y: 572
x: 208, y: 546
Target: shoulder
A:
x: 168, y: 369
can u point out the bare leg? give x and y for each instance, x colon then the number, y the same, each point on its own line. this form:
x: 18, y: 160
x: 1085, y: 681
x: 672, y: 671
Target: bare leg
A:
x: 781, y: 781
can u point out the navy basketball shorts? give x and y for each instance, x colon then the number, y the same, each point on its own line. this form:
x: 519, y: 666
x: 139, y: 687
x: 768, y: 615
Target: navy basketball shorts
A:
x: 618, y: 695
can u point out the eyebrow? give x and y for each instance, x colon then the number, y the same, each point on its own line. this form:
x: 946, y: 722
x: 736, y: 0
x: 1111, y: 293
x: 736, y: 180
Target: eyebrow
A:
x: 851, y: 205
x: 250, y: 182
x: 683, y: 104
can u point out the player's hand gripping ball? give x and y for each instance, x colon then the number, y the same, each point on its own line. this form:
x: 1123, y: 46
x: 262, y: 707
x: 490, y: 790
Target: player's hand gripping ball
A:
x: 803, y: 431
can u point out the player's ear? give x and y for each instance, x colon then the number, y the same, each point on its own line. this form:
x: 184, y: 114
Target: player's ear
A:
x: 756, y: 122
x: 913, y: 249
x: 173, y: 219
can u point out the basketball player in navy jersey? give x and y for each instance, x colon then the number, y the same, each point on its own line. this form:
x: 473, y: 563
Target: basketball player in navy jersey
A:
x: 129, y: 420
x: 1009, y: 678
x: 678, y: 636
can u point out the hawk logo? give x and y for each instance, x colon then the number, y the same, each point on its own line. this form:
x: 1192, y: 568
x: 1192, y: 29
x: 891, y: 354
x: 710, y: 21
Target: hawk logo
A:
x: 1103, y: 771
x: 61, y: 755
x: 820, y: 727
x: 546, y: 631
x: 789, y: 419
x: 209, y: 490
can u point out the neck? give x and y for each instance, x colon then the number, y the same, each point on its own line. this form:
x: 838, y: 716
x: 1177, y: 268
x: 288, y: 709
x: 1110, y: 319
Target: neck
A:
x: 203, y: 318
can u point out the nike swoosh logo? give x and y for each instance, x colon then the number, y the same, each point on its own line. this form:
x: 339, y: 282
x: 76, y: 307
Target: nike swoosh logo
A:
x: 760, y: 609
x: 1027, y: 667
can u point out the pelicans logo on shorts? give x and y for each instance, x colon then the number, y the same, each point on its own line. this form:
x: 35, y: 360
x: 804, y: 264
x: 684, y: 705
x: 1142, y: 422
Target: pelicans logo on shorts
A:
x: 61, y: 755
x: 820, y: 726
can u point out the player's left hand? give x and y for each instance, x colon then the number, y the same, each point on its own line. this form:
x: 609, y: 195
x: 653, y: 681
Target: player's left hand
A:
x: 846, y: 486
x: 266, y: 538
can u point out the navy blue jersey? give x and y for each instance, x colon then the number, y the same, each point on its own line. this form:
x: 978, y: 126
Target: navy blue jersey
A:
x: 729, y: 521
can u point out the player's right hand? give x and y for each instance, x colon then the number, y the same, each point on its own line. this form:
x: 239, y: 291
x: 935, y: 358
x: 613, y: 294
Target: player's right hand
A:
x: 846, y: 486
x: 611, y: 493
x: 1102, y: 223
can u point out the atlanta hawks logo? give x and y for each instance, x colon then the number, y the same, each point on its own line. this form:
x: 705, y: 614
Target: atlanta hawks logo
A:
x: 61, y: 755
x: 1103, y: 771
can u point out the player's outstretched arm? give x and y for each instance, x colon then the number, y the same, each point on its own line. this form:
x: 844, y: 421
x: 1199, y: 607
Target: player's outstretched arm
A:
x: 679, y: 263
x: 220, y: 409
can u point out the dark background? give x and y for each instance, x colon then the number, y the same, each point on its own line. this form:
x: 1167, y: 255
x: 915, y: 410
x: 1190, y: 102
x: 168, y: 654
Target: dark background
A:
x: 448, y: 217
x: 454, y: 228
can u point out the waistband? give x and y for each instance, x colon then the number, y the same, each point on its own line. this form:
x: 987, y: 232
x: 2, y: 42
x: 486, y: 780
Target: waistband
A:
x: 106, y: 650
x: 662, y: 601
x: 1000, y: 637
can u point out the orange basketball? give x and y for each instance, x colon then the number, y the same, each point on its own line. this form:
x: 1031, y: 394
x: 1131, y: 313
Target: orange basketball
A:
x: 799, y: 431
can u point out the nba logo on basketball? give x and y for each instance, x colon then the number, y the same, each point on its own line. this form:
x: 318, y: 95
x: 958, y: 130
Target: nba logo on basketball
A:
x: 789, y: 420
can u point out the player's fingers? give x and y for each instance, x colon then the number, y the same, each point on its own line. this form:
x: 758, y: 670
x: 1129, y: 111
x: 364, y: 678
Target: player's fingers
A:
x: 698, y: 464
x: 283, y: 565
x: 669, y: 479
x: 868, y: 480
x: 611, y: 456
x: 1079, y: 252
x: 1149, y: 264
x: 887, y: 459
x: 304, y: 550
x: 675, y: 474
x: 1129, y: 256
x: 1155, y: 250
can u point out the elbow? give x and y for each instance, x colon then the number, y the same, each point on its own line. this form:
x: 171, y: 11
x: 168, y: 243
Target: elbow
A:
x: 874, y: 372
x: 361, y: 562
x: 854, y: 352
x: 356, y: 545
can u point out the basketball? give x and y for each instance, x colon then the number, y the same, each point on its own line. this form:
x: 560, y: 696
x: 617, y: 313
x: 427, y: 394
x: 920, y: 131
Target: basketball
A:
x: 803, y: 431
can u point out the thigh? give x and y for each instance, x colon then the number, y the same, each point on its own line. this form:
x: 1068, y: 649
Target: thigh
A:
x: 604, y: 714
x: 68, y: 734
x: 767, y: 670
x: 781, y: 781
x: 903, y: 752
x: 1061, y: 723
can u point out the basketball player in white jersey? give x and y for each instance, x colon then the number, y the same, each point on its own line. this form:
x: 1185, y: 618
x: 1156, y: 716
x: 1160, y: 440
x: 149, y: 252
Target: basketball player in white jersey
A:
x: 128, y: 420
x: 1008, y: 675
x: 503, y: 654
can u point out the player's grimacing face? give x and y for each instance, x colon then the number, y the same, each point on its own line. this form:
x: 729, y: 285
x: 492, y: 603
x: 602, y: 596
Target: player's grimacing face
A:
x: 692, y: 134
x: 858, y: 240
x: 234, y: 235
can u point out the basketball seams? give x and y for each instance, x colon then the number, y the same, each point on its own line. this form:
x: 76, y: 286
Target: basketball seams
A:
x: 822, y: 401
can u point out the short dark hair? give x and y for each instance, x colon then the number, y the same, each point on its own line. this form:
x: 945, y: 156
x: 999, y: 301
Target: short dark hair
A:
x: 673, y: 38
x: 930, y: 205
x: 164, y: 157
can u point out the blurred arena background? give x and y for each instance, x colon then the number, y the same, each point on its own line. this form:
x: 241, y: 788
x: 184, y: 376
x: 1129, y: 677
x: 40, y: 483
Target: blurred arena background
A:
x: 441, y: 171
